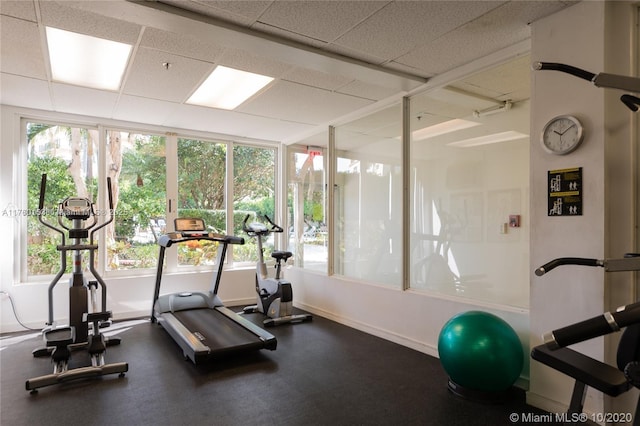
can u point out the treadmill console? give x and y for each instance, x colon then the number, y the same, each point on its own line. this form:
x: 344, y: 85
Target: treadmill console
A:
x: 190, y: 226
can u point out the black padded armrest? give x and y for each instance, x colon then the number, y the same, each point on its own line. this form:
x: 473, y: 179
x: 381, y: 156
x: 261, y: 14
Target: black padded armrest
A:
x: 593, y: 373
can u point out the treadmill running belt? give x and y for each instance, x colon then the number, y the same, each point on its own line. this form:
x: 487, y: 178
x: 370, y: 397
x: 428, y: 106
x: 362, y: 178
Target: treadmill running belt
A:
x: 218, y: 332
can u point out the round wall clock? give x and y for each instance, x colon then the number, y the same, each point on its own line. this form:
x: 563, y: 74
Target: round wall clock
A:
x: 562, y: 135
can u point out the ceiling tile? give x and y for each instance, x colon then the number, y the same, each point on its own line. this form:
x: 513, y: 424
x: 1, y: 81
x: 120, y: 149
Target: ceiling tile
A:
x: 288, y: 35
x: 24, y: 92
x: 316, y: 78
x: 148, y: 77
x: 507, y: 81
x: 18, y: 9
x: 232, y: 123
x: 296, y: 102
x: 403, y: 25
x: 239, y: 12
x: 181, y: 45
x: 91, y: 102
x: 367, y: 91
x: 17, y: 37
x: 322, y: 20
x: 143, y: 110
x: 62, y: 15
x: 498, y: 29
x: 246, y: 61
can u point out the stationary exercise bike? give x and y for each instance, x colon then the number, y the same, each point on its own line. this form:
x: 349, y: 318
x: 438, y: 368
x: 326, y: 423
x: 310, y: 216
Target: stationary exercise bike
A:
x: 83, y: 331
x: 274, y: 295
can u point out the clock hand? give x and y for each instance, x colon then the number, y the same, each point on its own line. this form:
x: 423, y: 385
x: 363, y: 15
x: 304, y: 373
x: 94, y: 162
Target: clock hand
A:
x: 566, y: 130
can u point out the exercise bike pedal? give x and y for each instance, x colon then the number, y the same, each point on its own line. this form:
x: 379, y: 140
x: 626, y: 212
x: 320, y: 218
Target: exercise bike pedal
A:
x: 250, y: 309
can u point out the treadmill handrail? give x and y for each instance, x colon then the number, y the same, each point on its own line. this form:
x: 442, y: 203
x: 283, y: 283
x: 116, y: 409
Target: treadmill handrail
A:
x: 171, y: 238
x: 167, y: 240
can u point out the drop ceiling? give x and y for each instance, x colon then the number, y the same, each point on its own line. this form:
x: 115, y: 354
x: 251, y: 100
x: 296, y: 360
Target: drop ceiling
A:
x: 328, y: 58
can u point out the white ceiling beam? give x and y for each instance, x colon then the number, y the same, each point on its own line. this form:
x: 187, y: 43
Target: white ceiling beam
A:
x: 170, y: 18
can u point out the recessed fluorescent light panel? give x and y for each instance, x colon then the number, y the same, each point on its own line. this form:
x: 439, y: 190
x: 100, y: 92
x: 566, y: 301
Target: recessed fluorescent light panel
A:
x: 443, y: 128
x: 226, y: 88
x: 85, y: 60
x: 488, y: 139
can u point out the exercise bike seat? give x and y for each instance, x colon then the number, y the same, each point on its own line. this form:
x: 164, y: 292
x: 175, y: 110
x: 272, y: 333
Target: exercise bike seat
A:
x: 281, y: 255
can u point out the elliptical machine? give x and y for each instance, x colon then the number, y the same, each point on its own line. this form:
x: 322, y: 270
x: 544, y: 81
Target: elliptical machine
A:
x: 83, y: 331
x: 274, y: 295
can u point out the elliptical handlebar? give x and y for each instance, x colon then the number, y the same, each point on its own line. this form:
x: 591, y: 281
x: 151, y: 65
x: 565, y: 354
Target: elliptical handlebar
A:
x: 110, y: 196
x: 43, y: 189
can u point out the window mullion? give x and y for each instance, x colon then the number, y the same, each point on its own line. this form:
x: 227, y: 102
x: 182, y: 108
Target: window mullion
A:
x: 171, y: 158
x: 228, y: 202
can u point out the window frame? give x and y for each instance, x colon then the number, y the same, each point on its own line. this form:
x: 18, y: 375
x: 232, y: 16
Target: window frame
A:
x: 20, y: 195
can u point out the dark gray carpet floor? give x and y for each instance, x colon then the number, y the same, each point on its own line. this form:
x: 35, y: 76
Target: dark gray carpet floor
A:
x: 322, y: 373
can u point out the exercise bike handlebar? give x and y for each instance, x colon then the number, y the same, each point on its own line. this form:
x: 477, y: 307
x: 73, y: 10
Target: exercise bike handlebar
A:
x: 258, y: 228
x: 274, y: 227
x: 567, y: 261
x: 593, y: 327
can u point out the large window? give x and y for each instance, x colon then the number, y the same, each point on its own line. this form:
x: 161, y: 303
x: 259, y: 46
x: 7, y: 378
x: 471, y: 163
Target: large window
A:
x: 69, y: 156
x: 201, y: 193
x: 136, y: 164
x: 254, y: 194
x: 306, y: 204
x: 155, y: 178
x: 368, y: 198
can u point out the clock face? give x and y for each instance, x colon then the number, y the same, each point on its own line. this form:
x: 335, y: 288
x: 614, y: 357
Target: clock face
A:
x: 562, y: 135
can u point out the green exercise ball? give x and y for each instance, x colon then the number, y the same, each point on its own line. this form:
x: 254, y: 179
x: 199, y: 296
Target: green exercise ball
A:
x: 480, y: 352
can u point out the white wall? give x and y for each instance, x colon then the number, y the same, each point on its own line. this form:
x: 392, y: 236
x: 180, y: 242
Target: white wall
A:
x: 582, y: 35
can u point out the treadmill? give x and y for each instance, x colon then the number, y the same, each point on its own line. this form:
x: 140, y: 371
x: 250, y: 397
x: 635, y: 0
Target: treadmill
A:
x: 199, y: 322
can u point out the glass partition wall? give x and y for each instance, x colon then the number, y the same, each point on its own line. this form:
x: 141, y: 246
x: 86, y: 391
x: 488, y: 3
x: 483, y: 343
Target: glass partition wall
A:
x: 468, y: 192
x: 368, y: 198
x: 469, y: 195
x: 469, y: 189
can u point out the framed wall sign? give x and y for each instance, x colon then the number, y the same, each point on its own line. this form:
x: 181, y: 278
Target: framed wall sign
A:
x: 564, y: 187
